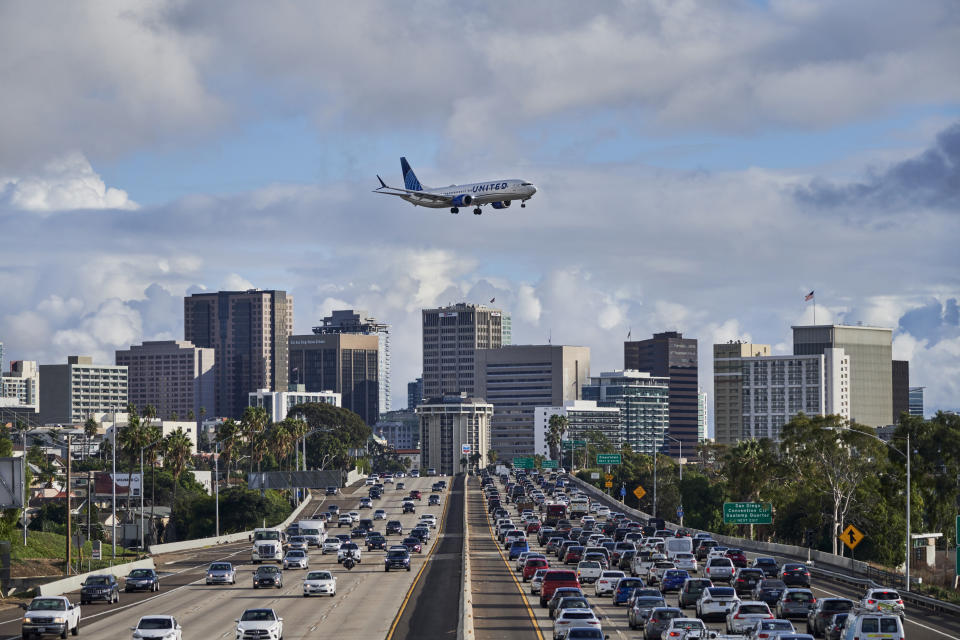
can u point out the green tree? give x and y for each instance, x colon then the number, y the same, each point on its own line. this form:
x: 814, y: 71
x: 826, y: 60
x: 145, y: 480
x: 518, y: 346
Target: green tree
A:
x: 557, y: 428
x: 464, y: 461
x: 341, y: 434
x: 227, y: 437
x: 176, y: 455
x: 491, y: 456
x: 91, y: 429
x: 254, y: 423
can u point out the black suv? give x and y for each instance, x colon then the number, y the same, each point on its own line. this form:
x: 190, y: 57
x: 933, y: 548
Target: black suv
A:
x: 376, y: 541
x: 394, y: 526
x: 100, y: 587
x: 397, y: 559
x: 268, y: 576
x: 142, y: 580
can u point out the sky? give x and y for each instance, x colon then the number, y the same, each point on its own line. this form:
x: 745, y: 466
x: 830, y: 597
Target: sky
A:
x: 701, y: 166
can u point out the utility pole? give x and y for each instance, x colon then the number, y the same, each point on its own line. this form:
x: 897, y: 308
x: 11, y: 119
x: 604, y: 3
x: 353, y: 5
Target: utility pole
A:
x: 113, y: 485
x: 26, y: 489
x: 89, y: 506
x: 216, y: 485
x: 69, y: 520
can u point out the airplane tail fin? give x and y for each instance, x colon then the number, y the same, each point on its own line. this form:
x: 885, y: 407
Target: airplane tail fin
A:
x: 409, y: 177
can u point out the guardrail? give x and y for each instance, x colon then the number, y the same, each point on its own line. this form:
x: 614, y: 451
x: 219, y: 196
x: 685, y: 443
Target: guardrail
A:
x: 465, y: 629
x: 840, y: 566
x: 60, y: 587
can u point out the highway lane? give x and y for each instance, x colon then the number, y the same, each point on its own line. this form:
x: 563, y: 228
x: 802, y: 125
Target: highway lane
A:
x: 919, y: 625
x: 365, y: 605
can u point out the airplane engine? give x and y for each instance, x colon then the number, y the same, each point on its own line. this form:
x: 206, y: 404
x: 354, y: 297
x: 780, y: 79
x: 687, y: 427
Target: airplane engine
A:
x: 500, y: 205
x: 462, y: 200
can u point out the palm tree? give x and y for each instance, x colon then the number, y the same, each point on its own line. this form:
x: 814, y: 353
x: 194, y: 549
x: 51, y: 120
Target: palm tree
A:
x: 176, y: 455
x: 463, y: 462
x: 254, y: 422
x: 491, y: 456
x: 154, y: 435
x: 130, y: 440
x: 226, y: 436
x: 90, y: 429
x: 558, y: 427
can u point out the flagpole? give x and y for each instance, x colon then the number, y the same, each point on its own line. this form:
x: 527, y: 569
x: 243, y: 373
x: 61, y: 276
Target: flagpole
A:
x: 814, y: 309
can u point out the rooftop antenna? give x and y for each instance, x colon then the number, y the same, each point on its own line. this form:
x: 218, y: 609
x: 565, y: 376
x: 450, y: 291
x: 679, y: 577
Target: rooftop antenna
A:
x: 550, y: 337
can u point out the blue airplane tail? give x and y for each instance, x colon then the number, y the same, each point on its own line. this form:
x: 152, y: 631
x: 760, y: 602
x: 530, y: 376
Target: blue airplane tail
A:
x: 409, y: 177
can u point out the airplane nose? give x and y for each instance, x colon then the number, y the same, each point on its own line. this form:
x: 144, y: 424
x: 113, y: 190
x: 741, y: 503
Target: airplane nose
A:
x: 533, y: 189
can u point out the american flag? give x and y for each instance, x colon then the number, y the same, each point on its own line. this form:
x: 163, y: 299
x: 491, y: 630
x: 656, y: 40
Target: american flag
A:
x: 808, y: 297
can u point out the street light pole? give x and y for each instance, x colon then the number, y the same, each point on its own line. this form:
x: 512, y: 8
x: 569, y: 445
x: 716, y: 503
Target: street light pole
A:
x: 680, y: 464
x: 216, y: 490
x: 141, y: 489
x: 655, y: 452
x: 113, y: 485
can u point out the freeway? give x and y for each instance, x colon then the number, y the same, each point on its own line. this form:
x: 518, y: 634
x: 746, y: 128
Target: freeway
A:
x: 210, y: 611
x: 504, y: 607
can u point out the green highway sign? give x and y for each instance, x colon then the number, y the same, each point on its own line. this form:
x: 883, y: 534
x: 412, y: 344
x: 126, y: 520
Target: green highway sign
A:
x: 550, y: 464
x: 747, y: 512
x: 609, y: 458
x: 523, y: 463
x: 570, y: 444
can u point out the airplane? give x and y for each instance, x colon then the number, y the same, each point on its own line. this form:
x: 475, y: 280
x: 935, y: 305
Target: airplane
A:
x: 497, y: 194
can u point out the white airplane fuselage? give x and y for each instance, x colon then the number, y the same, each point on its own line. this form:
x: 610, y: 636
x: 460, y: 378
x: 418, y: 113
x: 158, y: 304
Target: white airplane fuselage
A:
x: 479, y: 192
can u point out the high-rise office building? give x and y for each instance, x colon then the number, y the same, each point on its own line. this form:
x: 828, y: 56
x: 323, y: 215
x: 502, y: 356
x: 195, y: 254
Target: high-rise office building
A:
x: 916, y: 401
x: 672, y: 356
x: 174, y: 377
x: 702, y: 415
x: 583, y: 417
x: 643, y: 401
x: 72, y: 392
x: 248, y: 331
x: 414, y: 394
x: 900, y: 388
x: 518, y: 379
x: 360, y: 321
x: 346, y: 363
x: 451, y: 335
x: 453, y: 427
x: 728, y: 387
x: 21, y: 385
x: 871, y: 365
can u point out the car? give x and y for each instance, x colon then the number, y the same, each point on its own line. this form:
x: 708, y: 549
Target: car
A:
x: 221, y: 573
x: 769, y: 629
x: 413, y: 545
x: 397, y: 558
x: 745, y: 613
x: 537, y: 580
x: 268, y: 576
x: 379, y: 514
x: 354, y: 517
x: 658, y: 620
x: 265, y: 623
x: 882, y: 601
x: 330, y: 545
x: 298, y: 542
x: 409, y: 507
x: 400, y: 486
x: 416, y: 494
x: 157, y: 628
x: 560, y: 594
x: 344, y: 521
x: 641, y: 608
x: 876, y: 626
x: 704, y: 548
x: 434, y: 499
x: 421, y: 532
x: 719, y: 569
x: 822, y: 613
x: 557, y: 579
x: 589, y: 571
x: 744, y: 580
x: 767, y: 565
x: 738, y: 557
x: 685, y: 561
x: 691, y: 590
x: 607, y: 582
x: 533, y: 564
x: 795, y: 603
x: 795, y: 574
x: 366, y: 503
x: 50, y: 615
x: 332, y: 491
x: 141, y: 580
x: 716, y: 602
x: 333, y: 509
x: 358, y: 532
x: 834, y: 630
x: 370, y: 481
x: 571, y: 618
x: 375, y: 540
x: 349, y: 548
x: 624, y: 590
x: 428, y: 519
x: 686, y: 628
x: 296, y: 559
x: 658, y: 569
x: 673, y: 580
x: 100, y: 587
x: 569, y: 602
x: 394, y: 527
x: 768, y: 590
x: 319, y: 583
x: 573, y: 554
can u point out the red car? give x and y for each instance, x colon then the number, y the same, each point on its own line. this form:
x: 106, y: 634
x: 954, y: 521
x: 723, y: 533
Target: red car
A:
x: 530, y: 567
x: 415, y: 495
x: 553, y: 580
x: 533, y: 527
x: 574, y: 554
x: 738, y: 557
x: 413, y: 545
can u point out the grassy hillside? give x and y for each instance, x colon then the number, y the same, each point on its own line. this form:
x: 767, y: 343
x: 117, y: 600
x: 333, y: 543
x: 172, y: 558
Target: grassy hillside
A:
x: 45, y: 554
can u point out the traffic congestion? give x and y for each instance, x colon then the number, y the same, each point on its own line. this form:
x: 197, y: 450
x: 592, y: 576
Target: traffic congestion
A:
x: 589, y: 572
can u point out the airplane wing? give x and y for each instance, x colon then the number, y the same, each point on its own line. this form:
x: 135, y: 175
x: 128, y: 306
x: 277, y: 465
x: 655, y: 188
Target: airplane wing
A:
x: 387, y: 190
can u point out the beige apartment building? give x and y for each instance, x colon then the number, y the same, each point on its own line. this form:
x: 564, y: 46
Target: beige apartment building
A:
x: 174, y: 377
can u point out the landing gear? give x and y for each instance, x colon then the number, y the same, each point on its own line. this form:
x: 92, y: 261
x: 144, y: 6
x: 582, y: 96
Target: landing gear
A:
x: 523, y: 205
x: 477, y: 211
x: 454, y: 210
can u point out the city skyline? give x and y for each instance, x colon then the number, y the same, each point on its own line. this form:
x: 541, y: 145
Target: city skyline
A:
x: 150, y: 154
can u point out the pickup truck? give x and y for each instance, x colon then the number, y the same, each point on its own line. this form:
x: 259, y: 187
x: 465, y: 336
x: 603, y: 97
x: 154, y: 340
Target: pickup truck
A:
x: 50, y: 615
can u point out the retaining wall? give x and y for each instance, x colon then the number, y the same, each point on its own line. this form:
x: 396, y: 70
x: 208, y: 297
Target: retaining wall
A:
x: 60, y: 587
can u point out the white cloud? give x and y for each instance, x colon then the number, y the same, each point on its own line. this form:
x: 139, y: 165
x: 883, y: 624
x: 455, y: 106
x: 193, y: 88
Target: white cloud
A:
x: 66, y: 183
x: 235, y: 282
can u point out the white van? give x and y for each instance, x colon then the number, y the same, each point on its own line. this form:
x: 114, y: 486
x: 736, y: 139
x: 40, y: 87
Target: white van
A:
x: 315, y: 532
x: 673, y: 546
x: 872, y: 626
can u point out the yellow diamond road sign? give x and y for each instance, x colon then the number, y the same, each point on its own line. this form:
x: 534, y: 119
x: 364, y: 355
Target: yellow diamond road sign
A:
x: 608, y: 484
x: 609, y: 477
x: 851, y: 536
x: 639, y: 492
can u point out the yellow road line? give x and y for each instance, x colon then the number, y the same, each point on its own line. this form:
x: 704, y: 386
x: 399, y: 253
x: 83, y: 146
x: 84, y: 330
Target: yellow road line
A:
x: 526, y: 603
x: 436, y: 543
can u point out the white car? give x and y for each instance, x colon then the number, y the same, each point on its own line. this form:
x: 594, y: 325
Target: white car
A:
x: 589, y: 571
x: 658, y: 568
x: 157, y: 627
x: 429, y: 519
x: 330, y: 545
x: 296, y: 559
x: 345, y: 520
x: 349, y: 546
x: 882, y: 601
x: 745, y: 615
x: 607, y: 582
x: 603, y: 512
x: 572, y: 618
x: 685, y: 628
x: 260, y: 620
x: 537, y: 581
x: 719, y: 569
x: 716, y: 601
x: 319, y: 583
x: 686, y: 561
x: 369, y: 482
x: 354, y: 517
x: 379, y: 514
